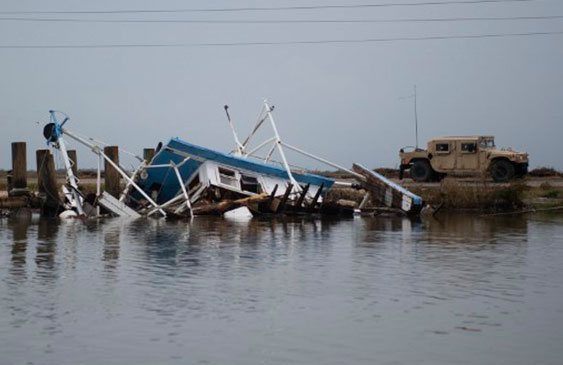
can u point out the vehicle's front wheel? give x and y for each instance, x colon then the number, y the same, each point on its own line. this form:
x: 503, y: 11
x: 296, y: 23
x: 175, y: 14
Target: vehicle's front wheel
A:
x: 421, y: 171
x: 502, y: 171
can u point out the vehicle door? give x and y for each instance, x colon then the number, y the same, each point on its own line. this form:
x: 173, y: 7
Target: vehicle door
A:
x: 468, y: 156
x: 443, y: 157
x: 484, y: 153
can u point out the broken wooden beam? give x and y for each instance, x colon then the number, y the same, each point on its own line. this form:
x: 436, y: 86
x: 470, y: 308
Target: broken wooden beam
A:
x: 388, y: 193
x: 14, y: 202
x: 226, y: 205
x: 341, y: 207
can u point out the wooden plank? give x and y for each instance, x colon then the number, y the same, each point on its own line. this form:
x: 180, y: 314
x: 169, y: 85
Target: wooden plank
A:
x: 13, y: 202
x: 111, y: 175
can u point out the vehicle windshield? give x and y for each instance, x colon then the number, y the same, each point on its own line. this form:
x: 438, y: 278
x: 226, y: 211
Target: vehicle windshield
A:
x: 487, y: 143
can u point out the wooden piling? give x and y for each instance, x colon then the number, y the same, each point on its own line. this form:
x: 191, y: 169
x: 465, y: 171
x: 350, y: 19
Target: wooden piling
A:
x: 281, y: 205
x: 74, y: 161
x: 112, y: 177
x: 19, y: 165
x: 302, y: 197
x: 270, y: 204
x: 47, y: 183
x: 313, y: 203
x: 148, y: 154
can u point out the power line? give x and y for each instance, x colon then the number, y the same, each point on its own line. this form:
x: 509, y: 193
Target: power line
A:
x: 281, y: 43
x: 277, y: 8
x: 288, y: 21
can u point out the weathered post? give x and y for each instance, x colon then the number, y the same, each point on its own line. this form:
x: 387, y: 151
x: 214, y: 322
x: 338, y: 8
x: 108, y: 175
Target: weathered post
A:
x: 73, y: 158
x: 19, y: 167
x: 47, y: 183
x: 112, y: 177
x: 148, y: 154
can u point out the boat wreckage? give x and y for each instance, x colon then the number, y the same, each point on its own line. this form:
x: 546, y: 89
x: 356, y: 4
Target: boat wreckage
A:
x: 185, y: 180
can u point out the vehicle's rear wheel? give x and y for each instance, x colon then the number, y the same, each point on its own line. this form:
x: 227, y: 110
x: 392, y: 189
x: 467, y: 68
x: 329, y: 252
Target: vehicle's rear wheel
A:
x: 421, y: 171
x: 502, y: 171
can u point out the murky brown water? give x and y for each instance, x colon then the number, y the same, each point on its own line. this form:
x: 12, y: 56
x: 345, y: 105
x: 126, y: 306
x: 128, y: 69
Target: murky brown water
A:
x: 460, y: 290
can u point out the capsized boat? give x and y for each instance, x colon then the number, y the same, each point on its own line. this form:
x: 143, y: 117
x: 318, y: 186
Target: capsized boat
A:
x: 217, y: 176
x: 183, y: 179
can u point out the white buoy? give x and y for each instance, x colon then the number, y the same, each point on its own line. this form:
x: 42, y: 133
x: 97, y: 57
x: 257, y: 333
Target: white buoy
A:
x: 241, y: 213
x: 68, y: 214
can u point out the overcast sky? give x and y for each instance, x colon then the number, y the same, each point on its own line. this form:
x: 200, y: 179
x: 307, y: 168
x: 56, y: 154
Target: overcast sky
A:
x: 343, y: 101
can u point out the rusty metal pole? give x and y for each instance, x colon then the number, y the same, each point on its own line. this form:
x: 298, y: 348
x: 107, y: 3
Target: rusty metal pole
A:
x: 148, y: 154
x: 112, y: 177
x: 19, y: 166
x: 72, y: 156
x: 47, y: 183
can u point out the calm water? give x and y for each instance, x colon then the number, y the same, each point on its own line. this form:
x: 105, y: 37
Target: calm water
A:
x: 459, y: 290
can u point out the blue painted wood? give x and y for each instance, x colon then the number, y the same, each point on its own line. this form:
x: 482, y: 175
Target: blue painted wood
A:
x: 165, y: 181
x: 246, y: 164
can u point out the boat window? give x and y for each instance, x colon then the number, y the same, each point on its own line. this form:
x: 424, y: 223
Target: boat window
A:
x: 227, y: 177
x: 442, y: 147
x: 250, y: 183
x: 226, y: 172
x: 469, y: 147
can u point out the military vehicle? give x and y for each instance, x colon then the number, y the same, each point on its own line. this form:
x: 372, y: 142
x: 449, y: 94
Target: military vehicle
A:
x: 463, y: 156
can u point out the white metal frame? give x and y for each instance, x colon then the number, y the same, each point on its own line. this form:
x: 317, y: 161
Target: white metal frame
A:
x: 76, y: 199
x: 277, y: 144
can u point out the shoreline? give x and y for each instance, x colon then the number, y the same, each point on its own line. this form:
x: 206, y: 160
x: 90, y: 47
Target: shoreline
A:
x: 451, y: 194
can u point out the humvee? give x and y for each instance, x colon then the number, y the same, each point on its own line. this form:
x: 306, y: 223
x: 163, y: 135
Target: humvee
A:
x: 475, y: 155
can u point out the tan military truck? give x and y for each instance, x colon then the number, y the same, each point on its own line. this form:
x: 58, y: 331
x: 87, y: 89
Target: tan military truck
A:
x: 463, y: 156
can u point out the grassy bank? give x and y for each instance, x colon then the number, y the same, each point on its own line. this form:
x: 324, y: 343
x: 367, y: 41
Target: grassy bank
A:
x: 476, y: 196
x: 484, y: 196
x: 542, y: 189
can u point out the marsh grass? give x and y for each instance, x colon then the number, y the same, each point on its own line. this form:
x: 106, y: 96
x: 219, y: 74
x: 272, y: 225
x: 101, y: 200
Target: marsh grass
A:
x: 545, y: 172
x: 481, y: 196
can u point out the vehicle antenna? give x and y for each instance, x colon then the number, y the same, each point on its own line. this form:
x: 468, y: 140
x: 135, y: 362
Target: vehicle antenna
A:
x: 415, y: 119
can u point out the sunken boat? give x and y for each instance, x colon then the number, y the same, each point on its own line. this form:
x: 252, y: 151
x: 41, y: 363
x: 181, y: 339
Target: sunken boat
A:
x: 183, y: 179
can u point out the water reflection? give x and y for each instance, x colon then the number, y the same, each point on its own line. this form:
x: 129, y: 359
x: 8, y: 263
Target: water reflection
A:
x: 47, y: 230
x: 348, y: 284
x: 19, y: 227
x: 476, y: 229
